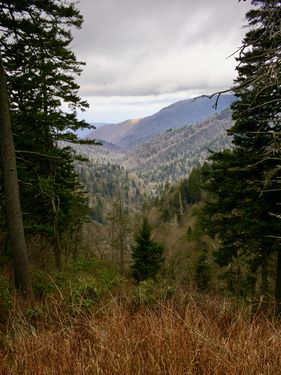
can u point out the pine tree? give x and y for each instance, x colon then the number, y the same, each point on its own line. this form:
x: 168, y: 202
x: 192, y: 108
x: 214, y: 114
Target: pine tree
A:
x: 239, y: 216
x: 11, y: 193
x: 245, y: 183
x: 147, y: 254
x: 257, y: 125
x: 41, y: 70
x: 194, y: 185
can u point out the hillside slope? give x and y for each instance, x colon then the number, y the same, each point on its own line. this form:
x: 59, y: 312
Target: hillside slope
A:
x: 172, y: 155
x: 144, y: 168
x: 177, y: 115
x: 113, y: 133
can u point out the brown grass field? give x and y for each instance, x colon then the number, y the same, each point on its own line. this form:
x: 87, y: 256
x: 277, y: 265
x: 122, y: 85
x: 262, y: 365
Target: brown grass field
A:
x: 207, y: 335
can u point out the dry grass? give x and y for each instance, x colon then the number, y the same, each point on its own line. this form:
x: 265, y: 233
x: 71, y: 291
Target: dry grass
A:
x: 182, y: 336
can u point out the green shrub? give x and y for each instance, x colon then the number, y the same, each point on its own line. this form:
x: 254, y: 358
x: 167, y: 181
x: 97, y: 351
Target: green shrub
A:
x: 150, y: 292
x: 82, y: 284
x: 88, y: 280
x: 83, y: 293
x: 42, y: 284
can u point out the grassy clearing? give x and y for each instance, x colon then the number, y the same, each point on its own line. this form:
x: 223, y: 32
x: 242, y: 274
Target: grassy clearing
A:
x: 183, y: 335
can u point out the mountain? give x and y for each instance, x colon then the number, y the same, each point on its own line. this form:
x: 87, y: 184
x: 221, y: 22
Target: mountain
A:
x: 133, y: 173
x: 99, y: 124
x: 86, y: 132
x: 113, y: 133
x: 172, y: 154
x: 177, y: 115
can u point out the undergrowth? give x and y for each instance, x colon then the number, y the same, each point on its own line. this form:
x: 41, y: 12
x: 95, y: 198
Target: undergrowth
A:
x: 146, y: 329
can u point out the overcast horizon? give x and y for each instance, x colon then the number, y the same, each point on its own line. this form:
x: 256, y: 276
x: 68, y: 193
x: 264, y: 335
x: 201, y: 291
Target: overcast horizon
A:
x: 142, y: 56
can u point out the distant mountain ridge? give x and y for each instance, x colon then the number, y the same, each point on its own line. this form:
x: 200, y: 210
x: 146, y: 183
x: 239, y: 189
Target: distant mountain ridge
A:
x: 140, y: 156
x: 169, y: 155
x: 177, y: 115
x: 172, y: 154
x: 113, y: 133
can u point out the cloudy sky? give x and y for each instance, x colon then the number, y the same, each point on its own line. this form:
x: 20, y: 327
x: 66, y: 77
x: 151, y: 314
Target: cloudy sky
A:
x: 142, y: 55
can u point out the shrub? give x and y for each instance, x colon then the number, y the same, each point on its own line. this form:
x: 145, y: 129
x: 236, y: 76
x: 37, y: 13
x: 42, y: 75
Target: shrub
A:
x: 150, y: 292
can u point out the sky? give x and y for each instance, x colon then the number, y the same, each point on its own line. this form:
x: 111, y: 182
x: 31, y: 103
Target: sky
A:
x: 142, y: 55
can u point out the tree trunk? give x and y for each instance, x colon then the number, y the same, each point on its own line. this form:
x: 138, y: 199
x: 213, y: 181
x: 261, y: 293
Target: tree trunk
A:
x: 11, y: 192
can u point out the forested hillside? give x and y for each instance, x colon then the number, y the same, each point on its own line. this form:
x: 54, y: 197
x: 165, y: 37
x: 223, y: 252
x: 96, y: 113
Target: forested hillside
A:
x: 172, y: 155
x: 169, y: 156
x: 106, y: 179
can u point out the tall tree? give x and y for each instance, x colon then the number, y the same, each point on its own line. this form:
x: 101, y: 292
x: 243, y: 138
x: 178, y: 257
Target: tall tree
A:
x: 147, y: 254
x: 245, y: 184
x: 11, y: 193
x: 41, y: 69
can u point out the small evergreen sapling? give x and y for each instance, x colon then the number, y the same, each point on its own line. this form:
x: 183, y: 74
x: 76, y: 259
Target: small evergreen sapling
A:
x: 147, y: 254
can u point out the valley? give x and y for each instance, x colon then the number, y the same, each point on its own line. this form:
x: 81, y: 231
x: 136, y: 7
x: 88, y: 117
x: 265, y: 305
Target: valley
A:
x: 168, y: 153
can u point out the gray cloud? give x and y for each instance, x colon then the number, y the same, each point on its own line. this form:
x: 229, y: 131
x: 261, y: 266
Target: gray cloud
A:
x: 155, y: 47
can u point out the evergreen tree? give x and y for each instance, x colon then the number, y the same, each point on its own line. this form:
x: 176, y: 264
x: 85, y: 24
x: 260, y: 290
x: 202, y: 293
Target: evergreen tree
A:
x: 11, y: 193
x: 239, y: 216
x: 245, y: 183
x: 41, y: 69
x: 194, y: 185
x: 147, y: 254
